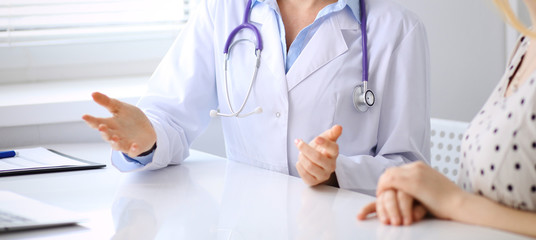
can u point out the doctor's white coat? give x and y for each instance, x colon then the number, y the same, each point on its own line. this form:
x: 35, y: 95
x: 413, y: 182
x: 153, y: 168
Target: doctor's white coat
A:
x: 315, y: 94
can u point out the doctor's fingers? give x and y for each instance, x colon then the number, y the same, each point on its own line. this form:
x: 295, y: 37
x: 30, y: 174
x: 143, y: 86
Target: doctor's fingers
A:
x: 313, y: 169
x: 131, y: 149
x: 95, y: 122
x: 120, y: 144
x: 306, y: 176
x: 107, y: 133
x: 328, y: 148
x: 110, y: 135
x: 315, y: 156
x: 111, y: 104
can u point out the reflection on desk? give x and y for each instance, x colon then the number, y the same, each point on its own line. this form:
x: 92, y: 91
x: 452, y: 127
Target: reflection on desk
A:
x: 208, y: 197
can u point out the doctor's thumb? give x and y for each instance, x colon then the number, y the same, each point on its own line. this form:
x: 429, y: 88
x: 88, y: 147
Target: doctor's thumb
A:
x: 333, y: 133
x: 336, y: 131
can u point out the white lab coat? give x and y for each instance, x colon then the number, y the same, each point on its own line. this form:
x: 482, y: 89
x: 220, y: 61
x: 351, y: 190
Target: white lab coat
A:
x: 315, y: 94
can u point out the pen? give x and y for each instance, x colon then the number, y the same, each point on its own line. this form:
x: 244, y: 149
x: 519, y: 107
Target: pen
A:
x: 7, y: 154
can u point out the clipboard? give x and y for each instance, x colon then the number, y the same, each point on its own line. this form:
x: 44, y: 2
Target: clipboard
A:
x: 41, y: 160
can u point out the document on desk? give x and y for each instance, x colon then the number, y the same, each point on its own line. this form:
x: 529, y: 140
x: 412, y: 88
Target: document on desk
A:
x: 41, y: 160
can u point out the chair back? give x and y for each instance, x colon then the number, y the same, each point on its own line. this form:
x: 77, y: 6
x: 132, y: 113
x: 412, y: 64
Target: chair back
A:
x: 446, y: 136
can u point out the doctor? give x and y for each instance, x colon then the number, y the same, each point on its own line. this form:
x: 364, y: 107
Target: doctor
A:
x: 286, y: 92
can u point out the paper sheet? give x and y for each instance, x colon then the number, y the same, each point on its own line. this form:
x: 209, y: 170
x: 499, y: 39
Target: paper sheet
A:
x: 34, y: 158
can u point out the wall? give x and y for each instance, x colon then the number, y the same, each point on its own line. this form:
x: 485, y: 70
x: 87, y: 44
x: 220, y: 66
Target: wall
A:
x: 467, y: 52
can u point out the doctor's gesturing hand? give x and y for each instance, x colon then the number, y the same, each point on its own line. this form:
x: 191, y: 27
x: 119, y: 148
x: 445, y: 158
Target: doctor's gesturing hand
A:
x: 128, y: 130
x: 317, y: 160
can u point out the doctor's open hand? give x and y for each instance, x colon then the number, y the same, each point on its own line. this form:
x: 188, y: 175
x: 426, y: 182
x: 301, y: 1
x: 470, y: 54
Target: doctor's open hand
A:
x: 128, y: 130
x: 317, y: 160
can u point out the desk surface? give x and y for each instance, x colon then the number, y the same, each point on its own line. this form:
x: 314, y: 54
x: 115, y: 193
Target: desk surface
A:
x: 208, y: 197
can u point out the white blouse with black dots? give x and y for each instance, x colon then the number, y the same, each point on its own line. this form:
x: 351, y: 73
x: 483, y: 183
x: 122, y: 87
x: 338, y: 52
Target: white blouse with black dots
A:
x: 498, y: 153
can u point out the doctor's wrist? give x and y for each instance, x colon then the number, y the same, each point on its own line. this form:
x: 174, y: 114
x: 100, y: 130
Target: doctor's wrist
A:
x: 332, y: 181
x: 148, y: 151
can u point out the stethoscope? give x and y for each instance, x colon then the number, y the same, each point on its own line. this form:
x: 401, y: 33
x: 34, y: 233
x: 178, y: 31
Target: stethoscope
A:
x: 363, y: 97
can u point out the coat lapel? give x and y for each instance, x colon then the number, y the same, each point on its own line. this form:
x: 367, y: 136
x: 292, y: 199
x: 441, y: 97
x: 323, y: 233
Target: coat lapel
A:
x: 327, y: 44
x: 272, y: 53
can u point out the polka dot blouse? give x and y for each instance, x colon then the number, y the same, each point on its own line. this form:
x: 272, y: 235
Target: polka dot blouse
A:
x: 498, y: 153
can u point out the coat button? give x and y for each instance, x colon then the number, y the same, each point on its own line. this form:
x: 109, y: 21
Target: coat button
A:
x: 277, y: 114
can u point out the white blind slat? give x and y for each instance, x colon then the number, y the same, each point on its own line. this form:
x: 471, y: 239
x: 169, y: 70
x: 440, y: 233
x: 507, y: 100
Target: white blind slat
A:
x: 24, y: 20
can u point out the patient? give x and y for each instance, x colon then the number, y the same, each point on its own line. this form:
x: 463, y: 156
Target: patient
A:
x: 498, y: 166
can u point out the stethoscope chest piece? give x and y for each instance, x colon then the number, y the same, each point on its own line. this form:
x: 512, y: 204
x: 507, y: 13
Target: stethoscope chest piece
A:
x: 363, y: 98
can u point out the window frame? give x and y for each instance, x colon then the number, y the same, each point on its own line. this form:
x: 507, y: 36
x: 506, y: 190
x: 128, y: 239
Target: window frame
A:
x: 85, y: 53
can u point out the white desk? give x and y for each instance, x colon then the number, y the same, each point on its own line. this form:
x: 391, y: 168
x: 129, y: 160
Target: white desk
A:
x: 210, y: 198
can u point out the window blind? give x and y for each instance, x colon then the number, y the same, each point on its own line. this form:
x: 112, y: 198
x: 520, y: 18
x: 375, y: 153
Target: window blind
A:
x: 27, y: 22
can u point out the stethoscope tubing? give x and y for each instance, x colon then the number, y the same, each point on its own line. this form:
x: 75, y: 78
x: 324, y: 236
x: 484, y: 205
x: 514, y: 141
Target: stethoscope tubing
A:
x: 364, y: 44
x: 229, y: 44
x: 257, y: 64
x: 245, y: 25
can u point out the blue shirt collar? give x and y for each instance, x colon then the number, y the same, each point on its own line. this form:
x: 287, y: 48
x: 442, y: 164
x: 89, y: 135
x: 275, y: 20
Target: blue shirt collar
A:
x: 352, y: 4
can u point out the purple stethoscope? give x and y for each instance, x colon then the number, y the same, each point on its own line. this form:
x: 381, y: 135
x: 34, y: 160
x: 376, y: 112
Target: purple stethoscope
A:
x: 363, y: 98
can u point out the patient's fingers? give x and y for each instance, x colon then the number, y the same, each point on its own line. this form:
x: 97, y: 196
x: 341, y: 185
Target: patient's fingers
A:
x: 405, y: 204
x: 365, y: 211
x: 391, y: 205
x: 419, y: 212
x: 380, y: 210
